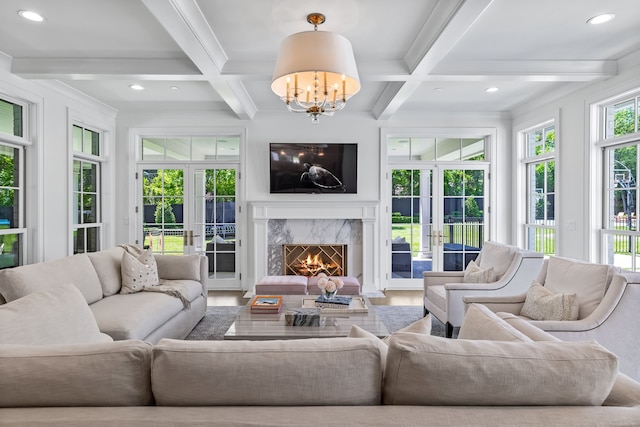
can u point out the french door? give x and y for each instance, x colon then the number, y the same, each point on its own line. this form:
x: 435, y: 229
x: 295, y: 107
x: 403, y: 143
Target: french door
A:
x: 192, y: 208
x: 437, y: 220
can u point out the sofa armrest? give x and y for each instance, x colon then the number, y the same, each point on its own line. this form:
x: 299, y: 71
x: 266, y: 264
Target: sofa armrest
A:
x: 625, y: 392
x: 186, y: 267
x: 505, y: 303
x: 431, y: 278
x: 596, y: 318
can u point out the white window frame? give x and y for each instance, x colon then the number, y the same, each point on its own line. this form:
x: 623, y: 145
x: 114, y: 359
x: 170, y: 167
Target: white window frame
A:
x: 526, y: 162
x: 106, y: 202
x: 22, y: 144
x: 601, y: 145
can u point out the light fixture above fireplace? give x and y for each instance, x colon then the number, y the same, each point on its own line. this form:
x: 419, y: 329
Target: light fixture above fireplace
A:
x: 316, y: 71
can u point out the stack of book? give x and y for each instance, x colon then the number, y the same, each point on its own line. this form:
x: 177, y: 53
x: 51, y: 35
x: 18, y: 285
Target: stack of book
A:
x: 335, y: 302
x: 266, y: 304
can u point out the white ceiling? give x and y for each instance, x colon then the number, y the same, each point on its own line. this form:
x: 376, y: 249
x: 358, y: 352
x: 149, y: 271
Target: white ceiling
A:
x: 412, y: 55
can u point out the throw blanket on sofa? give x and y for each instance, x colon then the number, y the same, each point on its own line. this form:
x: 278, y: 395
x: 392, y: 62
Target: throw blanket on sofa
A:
x: 173, y: 288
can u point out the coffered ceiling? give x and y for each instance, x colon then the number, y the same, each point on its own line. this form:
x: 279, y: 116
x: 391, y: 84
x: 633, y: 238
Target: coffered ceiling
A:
x: 412, y: 55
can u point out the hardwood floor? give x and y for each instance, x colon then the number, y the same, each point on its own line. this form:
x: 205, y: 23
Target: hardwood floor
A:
x: 392, y: 298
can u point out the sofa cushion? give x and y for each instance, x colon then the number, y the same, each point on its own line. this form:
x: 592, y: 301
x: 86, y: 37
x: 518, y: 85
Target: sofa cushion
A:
x: 480, y: 323
x: 77, y: 269
x: 474, y: 274
x: 420, y: 326
x: 588, y: 281
x: 107, y: 264
x: 58, y: 315
x: 139, y: 271
x: 428, y: 370
x: 107, y: 374
x: 135, y: 316
x: 525, y: 326
x: 317, y: 371
x: 438, y: 296
x: 173, y: 267
x: 544, y: 304
x: 498, y: 256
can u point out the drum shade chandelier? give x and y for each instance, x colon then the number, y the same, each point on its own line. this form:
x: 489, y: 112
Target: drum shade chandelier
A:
x: 316, y: 71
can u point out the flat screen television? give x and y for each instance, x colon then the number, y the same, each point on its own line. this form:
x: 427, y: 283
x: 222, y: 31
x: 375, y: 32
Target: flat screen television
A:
x: 313, y: 168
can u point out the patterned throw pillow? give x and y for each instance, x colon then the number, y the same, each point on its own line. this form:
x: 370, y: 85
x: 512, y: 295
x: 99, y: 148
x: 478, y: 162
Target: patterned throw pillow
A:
x: 138, y: 272
x: 543, y: 304
x: 474, y: 274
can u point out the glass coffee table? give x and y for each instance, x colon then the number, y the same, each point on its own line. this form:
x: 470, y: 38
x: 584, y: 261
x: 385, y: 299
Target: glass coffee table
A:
x: 252, y: 326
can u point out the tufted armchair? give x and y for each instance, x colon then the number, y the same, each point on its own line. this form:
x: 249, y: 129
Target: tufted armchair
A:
x: 608, y: 307
x: 514, y: 269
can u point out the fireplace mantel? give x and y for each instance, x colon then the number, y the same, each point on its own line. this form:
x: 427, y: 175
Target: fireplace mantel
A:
x: 364, y: 211
x: 314, y: 209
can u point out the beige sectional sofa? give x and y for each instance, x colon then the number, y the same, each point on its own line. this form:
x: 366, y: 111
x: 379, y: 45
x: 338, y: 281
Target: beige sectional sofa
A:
x: 495, y: 375
x: 148, y: 316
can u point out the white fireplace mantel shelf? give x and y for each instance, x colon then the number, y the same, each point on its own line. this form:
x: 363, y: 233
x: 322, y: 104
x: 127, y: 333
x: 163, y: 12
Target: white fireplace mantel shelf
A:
x: 314, y: 209
x: 365, y: 211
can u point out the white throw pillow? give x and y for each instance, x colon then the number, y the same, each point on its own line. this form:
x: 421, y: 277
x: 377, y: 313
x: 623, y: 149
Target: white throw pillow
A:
x: 138, y: 272
x: 57, y: 315
x: 474, y: 274
x: 544, y: 304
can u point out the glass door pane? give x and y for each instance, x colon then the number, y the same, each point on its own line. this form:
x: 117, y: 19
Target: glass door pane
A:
x: 215, y: 220
x: 411, y: 222
x: 463, y: 214
x: 163, y: 210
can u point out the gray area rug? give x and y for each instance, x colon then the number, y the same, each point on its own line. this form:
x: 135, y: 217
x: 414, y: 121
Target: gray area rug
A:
x: 218, y: 319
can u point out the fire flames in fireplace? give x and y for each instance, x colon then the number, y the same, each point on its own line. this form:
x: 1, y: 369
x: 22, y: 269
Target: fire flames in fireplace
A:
x: 310, y: 260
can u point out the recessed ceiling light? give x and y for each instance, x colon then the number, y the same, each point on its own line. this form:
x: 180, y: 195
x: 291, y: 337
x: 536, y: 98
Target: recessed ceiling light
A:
x: 136, y: 87
x: 174, y: 87
x: 491, y: 89
x: 438, y: 89
x: 31, y: 15
x: 601, y: 19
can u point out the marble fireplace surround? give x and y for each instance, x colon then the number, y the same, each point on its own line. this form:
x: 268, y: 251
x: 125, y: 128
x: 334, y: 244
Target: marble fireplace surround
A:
x: 319, y: 222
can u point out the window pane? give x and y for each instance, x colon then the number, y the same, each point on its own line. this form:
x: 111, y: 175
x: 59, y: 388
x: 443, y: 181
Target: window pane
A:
x: 89, y: 177
x: 77, y: 175
x: 620, y: 119
x: 91, y: 142
x: 472, y: 149
x: 178, y: 149
x: 77, y: 139
x: 8, y: 166
x: 10, y: 249
x: 11, y: 118
x: 89, y: 208
x: 78, y: 241
x: 228, y: 148
x: 93, y: 239
x: 153, y: 148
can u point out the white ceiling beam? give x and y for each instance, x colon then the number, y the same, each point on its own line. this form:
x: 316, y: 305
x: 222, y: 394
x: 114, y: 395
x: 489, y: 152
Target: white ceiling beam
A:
x: 184, y: 22
x: 533, y: 70
x: 384, y: 70
x: 96, y: 69
x: 440, y: 33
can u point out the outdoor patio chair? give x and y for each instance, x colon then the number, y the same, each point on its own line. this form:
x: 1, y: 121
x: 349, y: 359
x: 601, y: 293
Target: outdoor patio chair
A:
x: 514, y: 270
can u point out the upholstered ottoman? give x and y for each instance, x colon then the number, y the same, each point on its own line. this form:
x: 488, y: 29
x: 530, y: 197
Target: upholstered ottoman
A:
x: 282, y: 285
x: 351, y: 286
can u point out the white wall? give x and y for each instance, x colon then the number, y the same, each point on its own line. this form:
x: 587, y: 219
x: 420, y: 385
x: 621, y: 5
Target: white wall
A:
x: 282, y: 126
